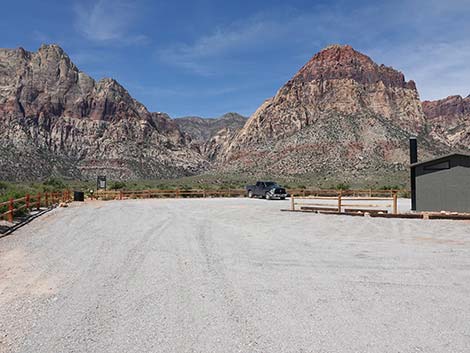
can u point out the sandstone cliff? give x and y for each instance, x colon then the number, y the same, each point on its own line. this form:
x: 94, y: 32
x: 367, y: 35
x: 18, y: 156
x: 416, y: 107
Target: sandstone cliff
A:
x: 341, y: 116
x: 54, y: 119
x: 211, y: 136
x: 449, y: 121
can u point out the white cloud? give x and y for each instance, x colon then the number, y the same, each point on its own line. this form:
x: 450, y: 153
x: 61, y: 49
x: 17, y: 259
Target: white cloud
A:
x: 108, y: 21
x: 427, y: 40
x: 440, y: 68
x: 209, y: 53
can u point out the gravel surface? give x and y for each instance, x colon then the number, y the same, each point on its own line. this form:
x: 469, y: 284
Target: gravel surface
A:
x: 232, y: 275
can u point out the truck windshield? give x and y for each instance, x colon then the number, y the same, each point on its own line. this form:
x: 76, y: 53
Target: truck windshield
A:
x: 270, y: 183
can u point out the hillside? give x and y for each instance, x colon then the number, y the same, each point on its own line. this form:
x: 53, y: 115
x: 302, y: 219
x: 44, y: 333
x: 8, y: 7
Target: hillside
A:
x: 341, y: 117
x: 449, y: 121
x: 56, y: 120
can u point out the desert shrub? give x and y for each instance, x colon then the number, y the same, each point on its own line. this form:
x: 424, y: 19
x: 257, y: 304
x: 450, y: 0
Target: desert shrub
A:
x: 390, y: 187
x: 54, y: 184
x: 341, y: 186
x: 118, y: 185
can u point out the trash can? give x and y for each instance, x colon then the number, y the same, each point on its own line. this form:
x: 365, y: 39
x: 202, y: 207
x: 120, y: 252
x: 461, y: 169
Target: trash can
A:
x: 79, y: 196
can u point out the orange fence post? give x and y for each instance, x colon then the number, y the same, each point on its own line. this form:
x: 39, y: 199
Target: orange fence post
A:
x: 38, y: 201
x: 10, y: 210
x: 120, y: 195
x: 395, y: 203
x: 46, y: 196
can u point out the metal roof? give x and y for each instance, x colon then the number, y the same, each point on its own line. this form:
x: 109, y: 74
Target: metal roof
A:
x: 442, y: 158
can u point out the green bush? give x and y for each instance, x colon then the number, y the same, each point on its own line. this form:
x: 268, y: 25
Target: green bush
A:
x: 341, y: 186
x: 54, y: 184
x: 118, y: 185
x: 390, y: 187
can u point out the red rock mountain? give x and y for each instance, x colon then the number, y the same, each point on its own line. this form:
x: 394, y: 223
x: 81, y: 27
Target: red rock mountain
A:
x: 54, y: 119
x: 340, y: 117
x: 211, y: 136
x: 449, y: 121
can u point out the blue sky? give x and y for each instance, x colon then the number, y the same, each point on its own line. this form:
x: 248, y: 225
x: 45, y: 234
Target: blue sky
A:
x: 207, y: 57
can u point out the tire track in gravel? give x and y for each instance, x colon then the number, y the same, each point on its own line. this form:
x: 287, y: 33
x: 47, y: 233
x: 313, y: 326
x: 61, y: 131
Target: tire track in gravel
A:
x: 100, y: 317
x: 226, y: 294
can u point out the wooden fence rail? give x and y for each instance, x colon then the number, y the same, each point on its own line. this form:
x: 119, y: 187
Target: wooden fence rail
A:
x: 29, y: 202
x: 342, y: 201
x: 351, y: 193
x: 176, y: 193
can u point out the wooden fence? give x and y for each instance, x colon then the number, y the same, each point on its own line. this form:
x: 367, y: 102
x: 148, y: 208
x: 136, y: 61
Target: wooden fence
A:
x: 29, y: 202
x: 348, y: 201
x: 346, y: 193
x: 176, y: 193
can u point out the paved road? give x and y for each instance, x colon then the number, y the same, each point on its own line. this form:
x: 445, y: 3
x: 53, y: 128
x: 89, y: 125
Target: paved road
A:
x: 232, y: 275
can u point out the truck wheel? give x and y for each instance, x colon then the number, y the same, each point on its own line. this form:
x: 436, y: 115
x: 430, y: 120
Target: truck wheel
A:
x: 250, y: 194
x: 268, y: 197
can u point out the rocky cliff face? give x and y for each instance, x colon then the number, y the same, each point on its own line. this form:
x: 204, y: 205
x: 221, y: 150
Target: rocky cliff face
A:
x: 55, y: 119
x: 211, y: 136
x: 449, y: 121
x: 340, y: 116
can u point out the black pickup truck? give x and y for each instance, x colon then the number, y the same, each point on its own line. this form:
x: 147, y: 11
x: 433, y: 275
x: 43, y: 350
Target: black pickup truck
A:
x: 268, y: 189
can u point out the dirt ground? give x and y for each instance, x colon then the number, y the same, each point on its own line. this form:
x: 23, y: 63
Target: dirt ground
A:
x: 232, y: 275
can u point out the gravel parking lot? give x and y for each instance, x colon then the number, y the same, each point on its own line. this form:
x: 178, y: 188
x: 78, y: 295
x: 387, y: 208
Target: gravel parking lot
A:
x: 232, y: 275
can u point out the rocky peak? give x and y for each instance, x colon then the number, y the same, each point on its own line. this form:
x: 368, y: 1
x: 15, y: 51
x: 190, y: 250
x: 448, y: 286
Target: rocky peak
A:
x: 202, y: 130
x: 339, y: 114
x: 61, y: 119
x: 343, y: 62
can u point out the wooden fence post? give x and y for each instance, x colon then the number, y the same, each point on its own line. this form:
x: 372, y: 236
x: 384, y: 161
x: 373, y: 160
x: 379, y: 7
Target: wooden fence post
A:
x: 120, y: 195
x: 10, y: 210
x: 339, y: 201
x: 395, y: 203
x: 292, y: 203
x: 38, y: 201
x: 177, y: 193
x: 27, y: 202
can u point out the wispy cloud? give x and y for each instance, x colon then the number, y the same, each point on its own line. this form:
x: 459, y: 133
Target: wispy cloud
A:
x: 108, y: 21
x: 430, y: 47
x: 439, y: 68
x: 208, y: 54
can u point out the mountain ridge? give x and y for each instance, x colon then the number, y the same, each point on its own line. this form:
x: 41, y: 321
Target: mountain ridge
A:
x: 56, y: 120
x: 340, y: 116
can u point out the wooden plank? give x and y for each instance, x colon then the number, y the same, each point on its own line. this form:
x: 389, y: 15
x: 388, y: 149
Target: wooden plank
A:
x: 363, y: 210
x: 400, y: 215
x: 455, y: 216
x: 319, y: 209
